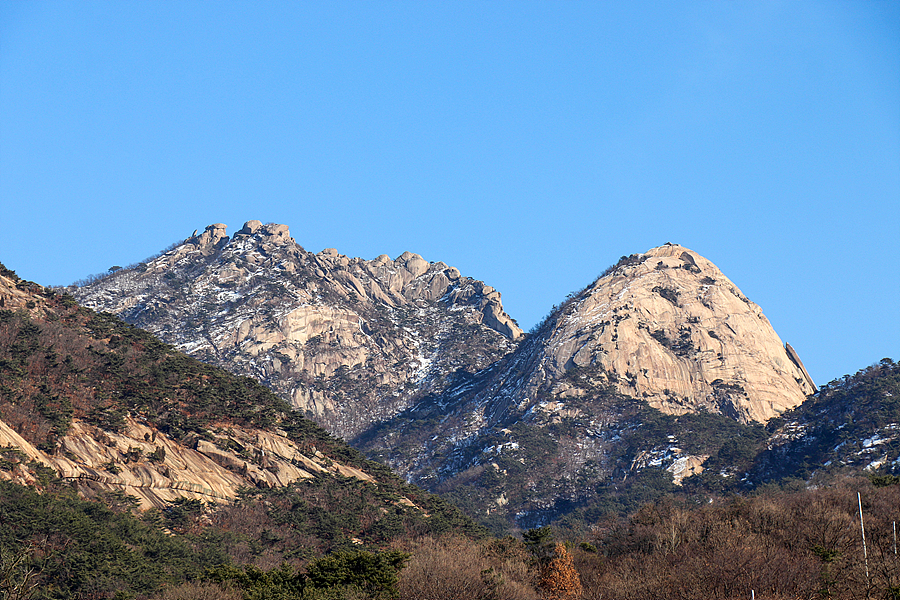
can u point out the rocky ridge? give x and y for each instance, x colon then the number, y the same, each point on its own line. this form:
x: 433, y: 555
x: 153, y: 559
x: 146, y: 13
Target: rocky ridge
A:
x: 652, y: 367
x: 107, y: 407
x: 347, y: 341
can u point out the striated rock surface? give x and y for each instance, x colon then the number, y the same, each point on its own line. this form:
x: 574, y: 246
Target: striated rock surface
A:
x: 150, y: 466
x: 350, y: 342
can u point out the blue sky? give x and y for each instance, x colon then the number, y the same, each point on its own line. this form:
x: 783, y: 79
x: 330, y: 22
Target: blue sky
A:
x: 529, y: 144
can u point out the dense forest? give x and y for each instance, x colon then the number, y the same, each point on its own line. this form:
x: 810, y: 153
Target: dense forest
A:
x: 775, y: 543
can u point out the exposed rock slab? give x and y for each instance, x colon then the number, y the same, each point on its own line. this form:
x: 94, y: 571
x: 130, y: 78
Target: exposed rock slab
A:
x: 674, y: 330
x: 350, y: 342
x: 148, y: 465
x: 667, y: 326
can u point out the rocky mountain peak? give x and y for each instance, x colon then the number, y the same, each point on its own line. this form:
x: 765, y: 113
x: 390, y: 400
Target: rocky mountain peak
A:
x: 348, y: 340
x: 212, y: 238
x: 577, y: 405
x: 216, y: 235
x: 420, y: 365
x: 670, y: 327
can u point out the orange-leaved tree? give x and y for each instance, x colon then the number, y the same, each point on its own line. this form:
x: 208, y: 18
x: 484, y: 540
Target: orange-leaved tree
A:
x: 559, y: 579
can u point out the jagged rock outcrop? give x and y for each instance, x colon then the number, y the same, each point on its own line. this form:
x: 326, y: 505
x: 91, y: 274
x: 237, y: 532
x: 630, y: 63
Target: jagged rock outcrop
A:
x: 150, y: 466
x: 350, y: 342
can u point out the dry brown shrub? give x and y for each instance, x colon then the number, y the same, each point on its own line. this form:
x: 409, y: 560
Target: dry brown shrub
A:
x: 252, y: 521
x: 633, y: 577
x: 590, y: 566
x: 800, y: 545
x: 452, y: 567
x: 195, y: 590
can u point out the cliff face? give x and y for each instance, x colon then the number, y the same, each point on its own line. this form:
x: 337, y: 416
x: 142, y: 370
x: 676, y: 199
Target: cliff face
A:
x: 349, y: 342
x: 669, y: 327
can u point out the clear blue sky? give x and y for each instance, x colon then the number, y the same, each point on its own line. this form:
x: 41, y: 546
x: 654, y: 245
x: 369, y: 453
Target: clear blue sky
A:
x: 529, y: 144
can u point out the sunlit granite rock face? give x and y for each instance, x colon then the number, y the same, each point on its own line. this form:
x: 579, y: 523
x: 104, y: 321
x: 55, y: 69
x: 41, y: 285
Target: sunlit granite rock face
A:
x: 155, y: 469
x: 350, y: 342
x: 668, y: 326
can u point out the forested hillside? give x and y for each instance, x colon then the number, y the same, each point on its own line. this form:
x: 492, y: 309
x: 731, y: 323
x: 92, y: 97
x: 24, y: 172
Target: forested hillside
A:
x: 103, y: 427
x: 92, y: 406
x: 778, y: 544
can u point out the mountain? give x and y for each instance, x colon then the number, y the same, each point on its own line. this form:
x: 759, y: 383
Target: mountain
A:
x: 346, y: 341
x: 240, y: 483
x: 650, y: 369
x: 669, y: 327
x: 850, y: 428
x: 653, y: 367
x: 92, y: 402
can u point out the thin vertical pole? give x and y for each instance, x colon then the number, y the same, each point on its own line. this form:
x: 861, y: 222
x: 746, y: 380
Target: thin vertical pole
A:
x: 895, y: 538
x: 862, y: 528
